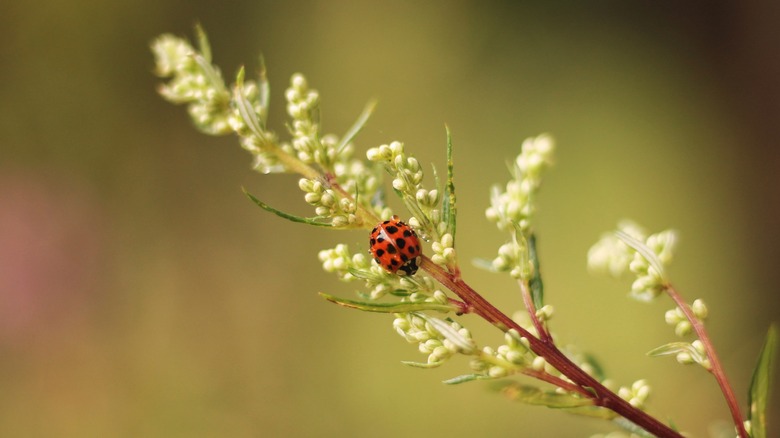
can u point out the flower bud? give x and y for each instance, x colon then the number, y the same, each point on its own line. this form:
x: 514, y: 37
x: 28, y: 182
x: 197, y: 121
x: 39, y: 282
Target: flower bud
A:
x: 700, y: 309
x: 422, y: 196
x: 684, y: 358
x: 305, y: 184
x: 339, y: 221
x: 328, y: 198
x: 497, y: 371
x: 396, y: 148
x: 433, y: 197
x: 672, y: 317
x: 298, y: 82
x: 682, y: 328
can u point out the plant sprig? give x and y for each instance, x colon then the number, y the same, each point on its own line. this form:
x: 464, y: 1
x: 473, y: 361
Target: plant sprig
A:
x: 347, y: 193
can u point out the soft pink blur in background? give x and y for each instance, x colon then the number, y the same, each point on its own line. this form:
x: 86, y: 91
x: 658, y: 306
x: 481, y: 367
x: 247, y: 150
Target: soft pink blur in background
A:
x: 141, y: 294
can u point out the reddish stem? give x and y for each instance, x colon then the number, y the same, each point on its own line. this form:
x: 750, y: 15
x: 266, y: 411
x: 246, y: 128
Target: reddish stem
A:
x: 715, y: 367
x: 544, y: 334
x: 600, y: 395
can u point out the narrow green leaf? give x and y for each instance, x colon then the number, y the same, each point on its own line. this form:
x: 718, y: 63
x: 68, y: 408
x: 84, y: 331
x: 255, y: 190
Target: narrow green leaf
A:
x: 631, y: 427
x: 465, y: 378
x: 287, y: 216
x: 357, y: 127
x: 436, y: 180
x: 245, y: 108
x: 449, y: 210
x: 642, y: 249
x: 465, y: 344
x: 485, y: 264
x: 671, y: 348
x: 592, y: 412
x: 203, y: 59
x: 681, y: 347
x: 598, y: 370
x: 760, y: 385
x: 535, y: 396
x: 363, y: 275
x: 265, y: 90
x: 203, y: 42
x: 421, y: 364
x: 536, y: 285
x: 368, y: 306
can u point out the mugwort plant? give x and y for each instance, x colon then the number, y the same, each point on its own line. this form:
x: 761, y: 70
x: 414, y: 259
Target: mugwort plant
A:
x: 412, y: 271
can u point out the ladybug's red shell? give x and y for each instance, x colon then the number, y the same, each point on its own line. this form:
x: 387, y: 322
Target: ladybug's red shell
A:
x: 395, y: 247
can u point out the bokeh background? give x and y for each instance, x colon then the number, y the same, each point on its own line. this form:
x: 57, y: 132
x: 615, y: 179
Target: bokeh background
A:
x: 141, y: 294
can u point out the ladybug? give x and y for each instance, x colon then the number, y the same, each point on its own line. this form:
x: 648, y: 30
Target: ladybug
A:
x: 395, y: 247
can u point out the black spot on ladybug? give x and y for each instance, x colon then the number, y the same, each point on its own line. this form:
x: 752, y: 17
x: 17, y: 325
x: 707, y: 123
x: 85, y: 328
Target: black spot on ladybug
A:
x: 400, y: 243
x: 380, y: 239
x: 404, y: 258
x: 413, y: 265
x: 407, y: 233
x: 385, y: 222
x: 373, y: 242
x: 391, y: 229
x: 412, y: 250
x: 394, y: 261
x: 409, y: 268
x: 376, y: 259
x: 391, y: 249
x: 380, y: 252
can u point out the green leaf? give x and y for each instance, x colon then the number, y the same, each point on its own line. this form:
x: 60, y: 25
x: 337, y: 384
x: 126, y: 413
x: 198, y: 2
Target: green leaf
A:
x: 760, y: 385
x: 536, y: 285
x: 483, y: 263
x: 631, y: 427
x: 449, y: 210
x: 203, y: 42
x: 287, y: 216
x: 245, y: 108
x: 203, y: 59
x: 368, y: 306
x: 592, y: 412
x: 364, y: 275
x: 671, y: 348
x: 598, y: 370
x: 681, y: 347
x: 535, y: 396
x: 640, y: 247
x: 466, y: 378
x: 265, y: 90
x: 357, y: 127
x: 421, y: 364
x: 465, y: 344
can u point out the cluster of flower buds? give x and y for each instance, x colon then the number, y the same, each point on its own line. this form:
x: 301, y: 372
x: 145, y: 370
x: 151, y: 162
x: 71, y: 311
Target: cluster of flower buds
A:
x: 328, y: 203
x: 437, y: 338
x: 193, y: 81
x: 631, y: 249
x: 513, y: 207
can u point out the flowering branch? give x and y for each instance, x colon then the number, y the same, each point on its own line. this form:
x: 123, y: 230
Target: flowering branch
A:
x: 600, y: 395
x: 713, y: 363
x: 347, y: 193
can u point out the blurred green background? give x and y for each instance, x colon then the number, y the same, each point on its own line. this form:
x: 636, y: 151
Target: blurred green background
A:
x: 141, y: 294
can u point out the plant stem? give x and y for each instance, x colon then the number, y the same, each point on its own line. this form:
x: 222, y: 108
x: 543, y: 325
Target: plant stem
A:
x: 541, y: 329
x: 545, y: 348
x: 715, y: 366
